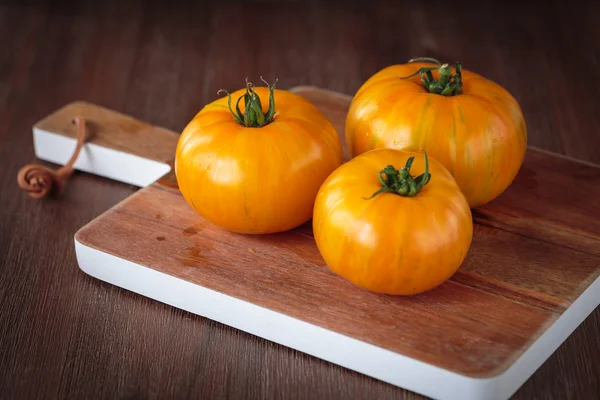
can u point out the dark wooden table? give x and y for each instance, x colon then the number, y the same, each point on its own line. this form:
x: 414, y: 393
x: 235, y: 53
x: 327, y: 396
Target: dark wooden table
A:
x: 66, y: 335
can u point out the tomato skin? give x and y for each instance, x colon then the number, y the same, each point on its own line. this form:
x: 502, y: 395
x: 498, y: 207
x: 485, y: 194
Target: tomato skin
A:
x: 256, y: 179
x: 479, y: 136
x: 391, y: 244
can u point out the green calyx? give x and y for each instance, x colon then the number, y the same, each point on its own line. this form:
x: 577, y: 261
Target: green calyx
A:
x: 253, y: 116
x: 449, y: 84
x: 400, y: 181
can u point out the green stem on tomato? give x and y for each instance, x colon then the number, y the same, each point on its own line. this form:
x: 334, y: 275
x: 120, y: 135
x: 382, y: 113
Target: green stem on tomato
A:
x: 253, y: 116
x: 400, y: 181
x: 449, y: 84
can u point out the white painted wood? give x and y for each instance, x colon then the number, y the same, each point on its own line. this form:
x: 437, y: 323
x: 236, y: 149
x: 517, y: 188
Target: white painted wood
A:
x: 362, y: 357
x: 98, y: 160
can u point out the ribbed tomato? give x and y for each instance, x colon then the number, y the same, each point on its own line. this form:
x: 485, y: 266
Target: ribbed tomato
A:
x: 473, y: 126
x: 387, y: 231
x: 256, y: 171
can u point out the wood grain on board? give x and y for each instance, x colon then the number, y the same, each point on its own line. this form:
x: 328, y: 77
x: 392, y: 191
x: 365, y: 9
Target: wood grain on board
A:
x: 535, y: 249
x: 113, y: 130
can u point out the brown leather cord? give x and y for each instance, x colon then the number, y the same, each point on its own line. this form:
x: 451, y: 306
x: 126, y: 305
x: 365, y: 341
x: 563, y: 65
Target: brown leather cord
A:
x: 38, y: 181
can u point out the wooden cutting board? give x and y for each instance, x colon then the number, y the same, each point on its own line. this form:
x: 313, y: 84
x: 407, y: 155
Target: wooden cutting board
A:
x: 530, y: 278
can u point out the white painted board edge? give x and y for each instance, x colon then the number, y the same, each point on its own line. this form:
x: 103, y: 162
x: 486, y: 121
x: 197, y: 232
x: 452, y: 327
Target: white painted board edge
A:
x: 98, y: 160
x: 353, y: 354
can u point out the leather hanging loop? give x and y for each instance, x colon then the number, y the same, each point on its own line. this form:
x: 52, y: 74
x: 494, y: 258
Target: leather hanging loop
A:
x: 39, y: 181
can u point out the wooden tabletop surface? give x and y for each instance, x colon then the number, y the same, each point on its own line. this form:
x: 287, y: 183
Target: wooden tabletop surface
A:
x: 66, y: 335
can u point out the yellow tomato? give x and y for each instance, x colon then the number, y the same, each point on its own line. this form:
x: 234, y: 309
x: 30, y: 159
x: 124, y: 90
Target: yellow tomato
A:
x: 256, y: 171
x: 471, y: 125
x: 387, y: 231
